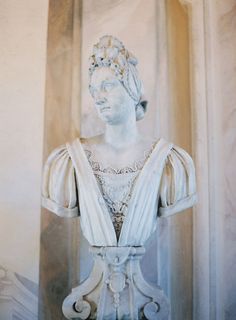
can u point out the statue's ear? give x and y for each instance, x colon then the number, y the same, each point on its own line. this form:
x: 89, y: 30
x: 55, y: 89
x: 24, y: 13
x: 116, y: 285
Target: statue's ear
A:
x: 140, y: 110
x: 144, y: 105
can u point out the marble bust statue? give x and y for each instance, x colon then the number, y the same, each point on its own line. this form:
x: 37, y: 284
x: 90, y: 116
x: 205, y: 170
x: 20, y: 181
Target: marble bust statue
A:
x: 120, y: 182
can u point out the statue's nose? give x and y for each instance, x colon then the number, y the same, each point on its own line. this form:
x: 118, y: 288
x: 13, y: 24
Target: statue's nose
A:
x: 100, y: 100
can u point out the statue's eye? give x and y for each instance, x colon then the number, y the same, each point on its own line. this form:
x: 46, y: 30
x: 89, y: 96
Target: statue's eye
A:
x: 107, y: 86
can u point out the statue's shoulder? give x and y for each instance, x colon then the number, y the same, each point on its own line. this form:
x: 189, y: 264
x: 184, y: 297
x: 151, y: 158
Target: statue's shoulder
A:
x: 173, y: 147
x: 176, y: 157
x: 57, y: 153
x: 78, y: 146
x: 64, y: 153
x: 59, y: 183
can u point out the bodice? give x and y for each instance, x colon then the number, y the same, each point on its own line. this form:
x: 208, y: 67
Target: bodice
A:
x: 116, y: 184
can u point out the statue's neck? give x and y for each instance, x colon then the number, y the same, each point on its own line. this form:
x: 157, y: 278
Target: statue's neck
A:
x: 121, y: 135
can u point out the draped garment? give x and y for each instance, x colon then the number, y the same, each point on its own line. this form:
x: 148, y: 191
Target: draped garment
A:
x: 164, y: 186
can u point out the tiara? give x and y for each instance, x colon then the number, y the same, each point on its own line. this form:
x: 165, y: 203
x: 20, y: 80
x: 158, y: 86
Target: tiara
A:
x: 110, y: 52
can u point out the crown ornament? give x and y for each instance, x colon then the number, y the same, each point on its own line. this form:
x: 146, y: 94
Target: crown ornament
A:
x: 110, y: 52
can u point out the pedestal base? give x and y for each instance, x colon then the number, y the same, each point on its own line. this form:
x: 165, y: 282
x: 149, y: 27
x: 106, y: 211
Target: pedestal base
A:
x: 116, y: 289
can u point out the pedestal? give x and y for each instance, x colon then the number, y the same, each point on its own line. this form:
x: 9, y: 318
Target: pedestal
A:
x: 116, y: 289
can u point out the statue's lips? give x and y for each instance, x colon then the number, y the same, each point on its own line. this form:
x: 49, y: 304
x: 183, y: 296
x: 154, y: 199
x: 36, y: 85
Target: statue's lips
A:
x: 105, y: 109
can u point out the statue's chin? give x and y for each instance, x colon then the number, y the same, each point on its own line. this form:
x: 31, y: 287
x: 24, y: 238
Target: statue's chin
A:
x: 110, y: 119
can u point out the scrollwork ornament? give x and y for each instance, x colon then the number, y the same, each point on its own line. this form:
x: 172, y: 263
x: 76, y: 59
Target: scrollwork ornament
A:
x: 83, y: 308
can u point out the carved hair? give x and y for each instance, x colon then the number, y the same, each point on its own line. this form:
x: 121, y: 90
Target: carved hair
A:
x: 110, y: 52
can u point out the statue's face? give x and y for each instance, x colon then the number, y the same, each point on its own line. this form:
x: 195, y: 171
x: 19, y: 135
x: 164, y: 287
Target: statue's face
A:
x: 112, y: 101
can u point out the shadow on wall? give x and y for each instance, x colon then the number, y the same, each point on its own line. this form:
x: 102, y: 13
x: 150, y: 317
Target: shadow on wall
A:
x: 18, y: 297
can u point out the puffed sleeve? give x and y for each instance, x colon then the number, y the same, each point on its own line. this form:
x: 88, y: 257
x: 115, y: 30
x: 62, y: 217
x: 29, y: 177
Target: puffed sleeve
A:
x: 178, y: 183
x: 59, y: 193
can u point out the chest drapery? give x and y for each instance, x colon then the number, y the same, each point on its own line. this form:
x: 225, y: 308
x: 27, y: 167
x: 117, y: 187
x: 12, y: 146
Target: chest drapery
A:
x: 166, y: 184
x: 116, y: 183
